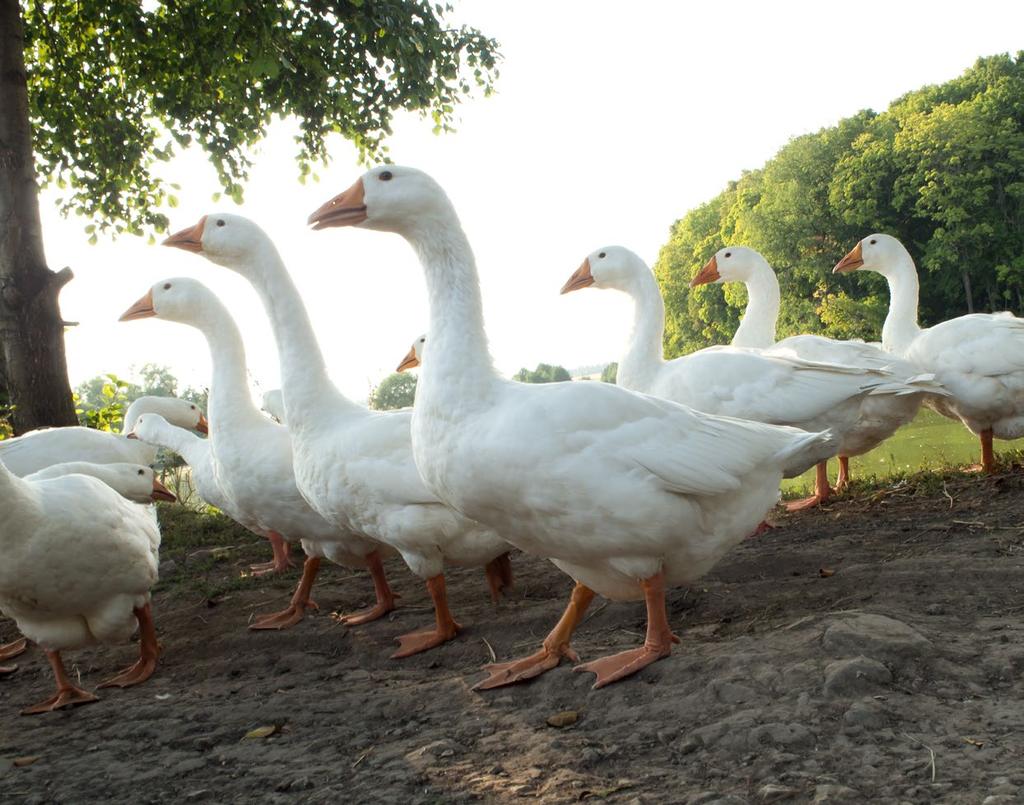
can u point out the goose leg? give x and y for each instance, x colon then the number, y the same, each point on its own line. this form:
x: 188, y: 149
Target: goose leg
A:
x: 843, y: 480
x: 988, y: 456
x: 282, y: 557
x: 385, y: 597
x: 12, y: 650
x: 301, y: 600
x: 149, y: 651
x: 446, y: 629
x: 657, y: 645
x: 67, y: 694
x: 499, y: 575
x: 555, y: 646
x: 822, y: 491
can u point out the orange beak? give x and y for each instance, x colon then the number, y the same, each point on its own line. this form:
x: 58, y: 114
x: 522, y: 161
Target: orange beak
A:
x: 161, y: 492
x: 707, y: 274
x: 581, y: 278
x: 852, y: 261
x: 143, y: 309
x: 410, y: 361
x: 203, y: 426
x: 346, y: 209
x: 191, y: 239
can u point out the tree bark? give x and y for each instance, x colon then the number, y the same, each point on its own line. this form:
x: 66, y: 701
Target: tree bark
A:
x: 31, y: 326
x: 967, y: 286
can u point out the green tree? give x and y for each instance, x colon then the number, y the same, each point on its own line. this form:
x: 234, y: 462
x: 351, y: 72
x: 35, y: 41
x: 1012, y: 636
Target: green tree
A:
x: 941, y: 169
x: 97, y: 94
x: 544, y: 373
x: 397, y: 390
x: 610, y: 373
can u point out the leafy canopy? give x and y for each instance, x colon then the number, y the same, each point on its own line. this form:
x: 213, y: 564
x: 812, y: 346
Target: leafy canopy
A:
x: 941, y: 169
x: 395, y: 391
x: 115, y: 86
x: 544, y: 373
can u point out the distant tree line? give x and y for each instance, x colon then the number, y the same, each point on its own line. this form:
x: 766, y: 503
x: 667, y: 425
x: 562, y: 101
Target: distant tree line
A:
x: 942, y: 169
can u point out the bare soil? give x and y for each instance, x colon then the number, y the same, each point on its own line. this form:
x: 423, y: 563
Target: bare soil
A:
x: 867, y: 651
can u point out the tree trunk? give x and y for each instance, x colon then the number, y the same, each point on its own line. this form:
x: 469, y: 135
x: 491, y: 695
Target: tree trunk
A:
x: 31, y: 327
x: 967, y: 286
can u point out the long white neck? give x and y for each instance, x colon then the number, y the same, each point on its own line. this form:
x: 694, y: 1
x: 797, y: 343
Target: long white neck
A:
x: 757, y: 327
x: 644, y: 355
x: 17, y: 503
x: 901, y: 327
x: 308, y: 393
x: 183, y: 442
x: 231, y: 401
x: 460, y: 362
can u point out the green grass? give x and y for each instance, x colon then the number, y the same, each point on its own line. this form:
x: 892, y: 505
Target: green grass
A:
x: 930, y: 443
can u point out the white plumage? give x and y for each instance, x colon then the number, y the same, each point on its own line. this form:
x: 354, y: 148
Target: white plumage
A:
x: 625, y: 492
x: 978, y: 358
x: 41, y: 448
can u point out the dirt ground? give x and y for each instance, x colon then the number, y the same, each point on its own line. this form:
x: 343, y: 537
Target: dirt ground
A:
x: 868, y: 651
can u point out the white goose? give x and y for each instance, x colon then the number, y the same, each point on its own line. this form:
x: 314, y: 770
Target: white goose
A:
x: 41, y: 448
x: 154, y: 429
x: 273, y: 404
x: 626, y: 493
x: 79, y: 562
x: 353, y: 464
x: 779, y: 388
x: 251, y: 454
x: 414, y: 357
x: 880, y: 414
x: 978, y: 358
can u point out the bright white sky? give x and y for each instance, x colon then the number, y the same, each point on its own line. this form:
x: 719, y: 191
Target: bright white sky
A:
x: 610, y: 122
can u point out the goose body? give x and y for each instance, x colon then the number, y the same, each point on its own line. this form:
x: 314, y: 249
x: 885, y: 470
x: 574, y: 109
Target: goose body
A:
x: 251, y: 455
x: 878, y: 415
x: 625, y: 492
x: 41, y: 448
x: 79, y: 562
x: 978, y: 358
x: 355, y: 466
x: 777, y: 386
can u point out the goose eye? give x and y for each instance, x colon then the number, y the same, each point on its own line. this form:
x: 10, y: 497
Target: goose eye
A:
x: 728, y: 254
x: 220, y: 222
x: 873, y: 241
x: 602, y: 255
x: 192, y: 407
x: 167, y: 286
x: 142, y: 472
x: 386, y: 176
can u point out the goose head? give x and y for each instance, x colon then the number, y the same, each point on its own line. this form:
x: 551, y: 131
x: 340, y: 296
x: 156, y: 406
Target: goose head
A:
x: 136, y: 483
x: 414, y: 357
x: 611, y: 267
x: 731, y: 264
x: 877, y: 252
x: 133, y: 482
x: 176, y: 411
x: 180, y: 299
x: 390, y: 198
x: 226, y: 239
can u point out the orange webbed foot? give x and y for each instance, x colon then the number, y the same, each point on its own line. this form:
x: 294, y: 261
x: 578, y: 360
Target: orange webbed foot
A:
x: 138, y: 673
x: 70, y: 696
x: 508, y: 673
x: 805, y: 503
x: 285, y: 618
x: 416, y: 642
x: 377, y: 611
x: 12, y: 650
x: 619, y: 666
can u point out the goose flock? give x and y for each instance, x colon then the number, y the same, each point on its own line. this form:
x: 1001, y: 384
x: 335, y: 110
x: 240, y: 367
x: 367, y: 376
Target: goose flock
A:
x: 630, y: 489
